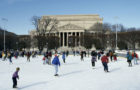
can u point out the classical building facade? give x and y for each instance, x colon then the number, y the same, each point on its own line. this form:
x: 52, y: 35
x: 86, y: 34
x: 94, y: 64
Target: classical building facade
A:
x: 73, y: 25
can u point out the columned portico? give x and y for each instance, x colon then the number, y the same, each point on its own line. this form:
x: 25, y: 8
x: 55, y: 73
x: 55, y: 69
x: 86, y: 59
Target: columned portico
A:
x: 64, y: 38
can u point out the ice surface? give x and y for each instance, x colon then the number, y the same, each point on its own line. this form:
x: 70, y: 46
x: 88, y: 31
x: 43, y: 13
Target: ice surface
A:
x: 74, y: 75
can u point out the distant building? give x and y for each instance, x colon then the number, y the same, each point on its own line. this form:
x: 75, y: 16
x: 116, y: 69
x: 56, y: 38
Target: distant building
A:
x: 71, y: 25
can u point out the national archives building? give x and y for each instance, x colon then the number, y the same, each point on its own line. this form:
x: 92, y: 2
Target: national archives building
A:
x: 73, y: 25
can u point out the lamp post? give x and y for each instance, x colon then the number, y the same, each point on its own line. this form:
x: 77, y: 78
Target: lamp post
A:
x: 116, y: 35
x: 116, y: 32
x: 4, y: 22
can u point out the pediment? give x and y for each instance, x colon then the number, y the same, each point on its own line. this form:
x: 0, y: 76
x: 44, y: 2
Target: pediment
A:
x: 70, y: 27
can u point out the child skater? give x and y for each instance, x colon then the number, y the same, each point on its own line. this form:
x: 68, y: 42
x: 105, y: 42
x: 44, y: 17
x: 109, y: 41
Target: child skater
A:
x: 14, y: 77
x: 93, y: 59
x: 64, y: 57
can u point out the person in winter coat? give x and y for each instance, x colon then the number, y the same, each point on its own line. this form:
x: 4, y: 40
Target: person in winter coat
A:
x: 46, y: 58
x: 67, y: 53
x: 63, y: 57
x: 56, y: 63
x: 10, y: 57
x: 28, y: 56
x: 14, y: 77
x: 111, y: 55
x: 115, y: 56
x: 105, y: 61
x: 135, y: 58
x: 82, y: 56
x: 93, y: 59
x: 49, y: 57
x: 129, y: 59
x: 99, y: 55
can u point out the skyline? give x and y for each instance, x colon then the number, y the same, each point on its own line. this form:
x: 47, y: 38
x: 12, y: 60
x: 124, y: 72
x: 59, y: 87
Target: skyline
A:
x: 20, y: 12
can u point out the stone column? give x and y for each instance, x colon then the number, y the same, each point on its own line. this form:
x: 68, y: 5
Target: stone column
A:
x: 75, y: 39
x: 59, y: 38
x: 63, y: 39
x: 79, y: 38
x: 67, y: 39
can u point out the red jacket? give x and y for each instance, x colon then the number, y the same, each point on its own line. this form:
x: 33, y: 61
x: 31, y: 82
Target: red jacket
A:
x: 104, y: 59
x: 136, y: 55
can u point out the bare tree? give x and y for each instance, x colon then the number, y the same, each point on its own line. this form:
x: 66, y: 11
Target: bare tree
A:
x: 133, y: 38
x: 44, y: 27
x: 49, y: 24
x: 35, y: 21
x: 98, y: 27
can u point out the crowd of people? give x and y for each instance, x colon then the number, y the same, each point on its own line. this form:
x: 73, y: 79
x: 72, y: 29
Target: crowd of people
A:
x: 4, y: 55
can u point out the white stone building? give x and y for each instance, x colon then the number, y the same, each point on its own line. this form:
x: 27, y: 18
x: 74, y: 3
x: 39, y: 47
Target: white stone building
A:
x: 72, y: 25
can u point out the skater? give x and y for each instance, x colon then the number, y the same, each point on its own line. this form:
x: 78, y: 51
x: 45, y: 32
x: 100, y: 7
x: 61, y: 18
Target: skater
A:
x: 93, y: 59
x: 44, y: 62
x: 56, y: 63
x: 15, y: 77
x: 111, y: 55
x: 67, y: 53
x: 46, y: 58
x: 105, y: 61
x: 16, y: 54
x: 94, y: 53
x: 135, y: 58
x: 129, y: 59
x: 115, y: 56
x: 99, y: 55
x: 49, y: 57
x: 64, y: 57
x: 73, y: 53
x: 28, y: 56
x: 10, y: 57
x: 4, y: 55
x: 82, y: 56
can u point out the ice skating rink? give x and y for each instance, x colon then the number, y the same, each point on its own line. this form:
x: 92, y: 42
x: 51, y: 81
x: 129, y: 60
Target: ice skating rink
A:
x: 74, y: 75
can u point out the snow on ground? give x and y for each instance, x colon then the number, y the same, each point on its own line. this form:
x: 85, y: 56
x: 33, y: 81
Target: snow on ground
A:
x: 74, y: 75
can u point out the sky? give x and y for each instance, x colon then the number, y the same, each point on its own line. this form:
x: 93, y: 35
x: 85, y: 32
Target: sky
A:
x: 19, y: 12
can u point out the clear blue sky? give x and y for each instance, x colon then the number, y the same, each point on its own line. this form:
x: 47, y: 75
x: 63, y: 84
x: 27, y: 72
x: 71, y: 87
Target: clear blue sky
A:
x: 19, y: 12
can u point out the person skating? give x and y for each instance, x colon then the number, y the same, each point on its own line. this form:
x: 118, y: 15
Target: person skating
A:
x: 129, y: 59
x: 56, y: 63
x: 49, y: 57
x: 4, y: 55
x: 115, y: 56
x: 15, y: 77
x: 82, y: 56
x: 67, y: 53
x: 111, y: 55
x: 28, y: 56
x: 10, y: 57
x: 93, y: 59
x: 99, y: 55
x: 46, y: 58
x: 135, y: 58
x: 64, y: 57
x: 105, y: 61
